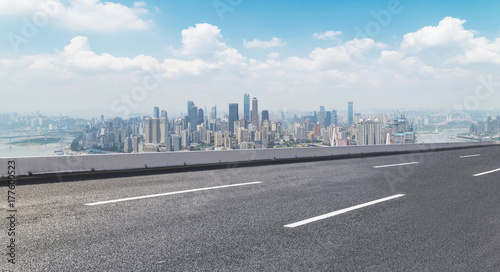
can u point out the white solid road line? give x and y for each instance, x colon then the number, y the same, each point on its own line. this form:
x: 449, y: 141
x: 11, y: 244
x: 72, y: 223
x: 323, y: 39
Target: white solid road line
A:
x: 307, y: 221
x: 390, y: 165
x: 171, y: 193
x: 484, y: 173
x: 470, y: 156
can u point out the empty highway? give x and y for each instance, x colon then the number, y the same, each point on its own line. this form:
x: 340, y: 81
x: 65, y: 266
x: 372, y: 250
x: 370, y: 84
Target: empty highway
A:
x: 436, y: 211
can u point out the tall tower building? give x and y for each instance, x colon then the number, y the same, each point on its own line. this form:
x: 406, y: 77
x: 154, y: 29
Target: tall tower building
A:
x: 350, y: 113
x: 321, y: 117
x: 328, y: 119
x: 164, y: 114
x: 156, y: 112
x: 265, y: 115
x: 201, y: 116
x: 190, y: 106
x: 214, y: 112
x: 335, y: 118
x: 164, y: 128
x: 369, y: 133
x: 233, y: 116
x: 136, y: 141
x: 246, y: 107
x: 255, y: 113
x: 193, y: 118
x: 155, y: 131
x: 148, y: 130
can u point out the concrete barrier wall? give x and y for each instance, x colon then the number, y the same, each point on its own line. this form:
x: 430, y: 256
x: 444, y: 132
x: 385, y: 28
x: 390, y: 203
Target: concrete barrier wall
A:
x: 110, y: 162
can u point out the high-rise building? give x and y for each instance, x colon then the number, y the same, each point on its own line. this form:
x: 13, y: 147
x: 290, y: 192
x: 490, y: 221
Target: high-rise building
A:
x: 193, y: 118
x: 265, y: 134
x: 176, y: 143
x: 321, y: 117
x: 369, y: 133
x: 185, y: 141
x: 255, y: 113
x: 127, y: 147
x: 136, y: 141
x: 402, y: 132
x: 328, y: 119
x: 335, y: 118
x: 200, y: 116
x: 190, y: 104
x: 168, y: 144
x: 218, y: 139
x: 233, y: 116
x: 156, y: 112
x: 350, y: 113
x: 148, y: 130
x: 358, y: 118
x: 214, y: 112
x: 190, y: 115
x: 265, y: 115
x: 246, y: 107
x: 155, y: 131
x: 164, y: 114
x: 164, y: 128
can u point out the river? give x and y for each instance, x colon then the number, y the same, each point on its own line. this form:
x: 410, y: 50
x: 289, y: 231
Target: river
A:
x: 442, y: 136
x: 11, y: 151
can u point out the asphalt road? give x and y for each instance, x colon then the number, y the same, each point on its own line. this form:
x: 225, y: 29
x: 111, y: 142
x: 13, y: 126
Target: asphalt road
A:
x: 441, y: 218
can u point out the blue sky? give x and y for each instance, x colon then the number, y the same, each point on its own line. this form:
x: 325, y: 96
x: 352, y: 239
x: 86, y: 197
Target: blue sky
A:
x: 293, y: 55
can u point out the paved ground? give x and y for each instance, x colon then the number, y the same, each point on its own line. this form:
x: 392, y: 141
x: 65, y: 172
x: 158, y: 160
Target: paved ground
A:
x: 442, y: 218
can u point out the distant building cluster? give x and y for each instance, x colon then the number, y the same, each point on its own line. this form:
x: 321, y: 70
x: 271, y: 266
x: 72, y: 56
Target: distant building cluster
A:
x: 249, y: 128
x: 253, y: 129
x: 490, y: 127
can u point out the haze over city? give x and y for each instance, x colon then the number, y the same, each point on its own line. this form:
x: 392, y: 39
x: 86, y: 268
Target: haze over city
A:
x: 72, y: 58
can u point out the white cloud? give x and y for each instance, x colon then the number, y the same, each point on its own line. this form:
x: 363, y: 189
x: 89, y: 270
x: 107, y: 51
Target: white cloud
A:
x: 16, y: 7
x: 449, y: 33
x: 91, y: 15
x: 273, y: 55
x: 450, y: 42
x: 202, y: 40
x: 328, y: 35
x: 274, y: 42
x: 208, y: 69
x: 344, y: 53
x: 79, y: 55
x: 481, y: 51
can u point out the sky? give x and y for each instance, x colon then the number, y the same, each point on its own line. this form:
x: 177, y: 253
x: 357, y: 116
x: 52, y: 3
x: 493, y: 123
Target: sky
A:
x: 90, y: 57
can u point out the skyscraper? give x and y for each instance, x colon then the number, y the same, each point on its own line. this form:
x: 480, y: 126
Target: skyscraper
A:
x: 233, y: 116
x: 193, y: 118
x: 156, y: 112
x: 201, y: 116
x: 164, y: 114
x: 328, y: 119
x: 255, y: 113
x: 164, y: 128
x: 265, y: 115
x: 350, y: 113
x: 246, y: 107
x: 214, y: 112
x: 148, y: 130
x: 155, y: 131
x: 190, y: 106
x: 335, y: 119
x: 369, y: 133
x: 321, y: 117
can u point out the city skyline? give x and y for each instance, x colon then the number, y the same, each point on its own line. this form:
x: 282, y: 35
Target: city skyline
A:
x: 381, y: 54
